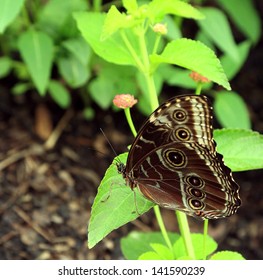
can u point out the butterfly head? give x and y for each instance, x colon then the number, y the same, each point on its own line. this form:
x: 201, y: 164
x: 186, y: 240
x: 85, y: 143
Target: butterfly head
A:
x: 121, y: 167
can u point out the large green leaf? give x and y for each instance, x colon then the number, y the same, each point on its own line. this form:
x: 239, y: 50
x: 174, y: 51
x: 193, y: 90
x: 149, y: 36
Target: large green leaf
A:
x: 8, y: 11
x: 137, y: 243
x: 217, y: 27
x: 245, y: 16
x: 227, y: 255
x: 37, y: 49
x: 195, y: 56
x: 111, y: 49
x: 159, y: 8
x: 231, y: 66
x: 115, y: 204
x: 231, y: 110
x: 242, y: 149
x: 198, y: 245
x: 73, y: 71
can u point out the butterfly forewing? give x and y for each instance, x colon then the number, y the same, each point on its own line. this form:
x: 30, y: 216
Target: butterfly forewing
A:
x: 174, y: 163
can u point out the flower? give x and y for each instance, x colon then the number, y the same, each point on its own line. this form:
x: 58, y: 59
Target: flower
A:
x: 124, y: 101
x: 198, y: 77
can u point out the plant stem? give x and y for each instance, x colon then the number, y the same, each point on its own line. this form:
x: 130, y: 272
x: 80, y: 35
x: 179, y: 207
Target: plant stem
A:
x: 198, y: 88
x: 151, y: 91
x: 132, y: 51
x: 205, y: 238
x: 97, y: 5
x: 152, y: 95
x: 185, y: 233
x: 162, y: 227
x: 130, y: 122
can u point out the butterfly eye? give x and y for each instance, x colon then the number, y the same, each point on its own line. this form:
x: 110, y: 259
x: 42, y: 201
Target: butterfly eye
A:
x: 180, y: 115
x: 196, y: 193
x: 175, y: 158
x: 195, y: 181
x: 196, y: 204
x: 183, y: 134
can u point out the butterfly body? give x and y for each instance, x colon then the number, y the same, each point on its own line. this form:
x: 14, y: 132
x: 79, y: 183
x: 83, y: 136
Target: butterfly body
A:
x: 174, y: 163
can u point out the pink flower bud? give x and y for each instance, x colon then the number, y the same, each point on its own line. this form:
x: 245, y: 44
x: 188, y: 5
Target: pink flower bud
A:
x: 198, y: 78
x: 124, y: 101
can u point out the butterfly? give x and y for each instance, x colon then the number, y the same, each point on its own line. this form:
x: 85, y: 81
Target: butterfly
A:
x: 174, y: 163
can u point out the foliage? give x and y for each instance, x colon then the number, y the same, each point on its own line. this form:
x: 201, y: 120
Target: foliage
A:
x: 47, y: 40
x: 137, y: 52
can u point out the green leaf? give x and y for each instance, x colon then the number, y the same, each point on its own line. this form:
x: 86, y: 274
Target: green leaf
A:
x: 245, y: 16
x: 161, y: 252
x: 8, y: 11
x: 149, y: 256
x: 5, y: 66
x: 55, y: 17
x: 21, y: 88
x: 198, y: 241
x: 135, y: 244
x: 173, y: 30
x: 115, y: 204
x: 102, y: 91
x: 37, y: 49
x: 111, y: 80
x: 231, y: 110
x: 112, y: 50
x: 217, y: 27
x: 88, y: 113
x: 195, y: 56
x: 130, y: 5
x: 158, y: 8
x: 242, y: 149
x: 231, y: 66
x: 79, y: 48
x: 227, y: 255
x: 113, y: 22
x: 73, y: 71
x: 59, y: 94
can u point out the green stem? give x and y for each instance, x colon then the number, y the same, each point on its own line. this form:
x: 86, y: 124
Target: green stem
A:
x: 151, y: 92
x: 205, y: 238
x: 198, y: 88
x: 136, y: 58
x: 185, y: 233
x: 97, y: 5
x: 162, y: 227
x: 156, y: 44
x: 152, y: 95
x: 130, y: 122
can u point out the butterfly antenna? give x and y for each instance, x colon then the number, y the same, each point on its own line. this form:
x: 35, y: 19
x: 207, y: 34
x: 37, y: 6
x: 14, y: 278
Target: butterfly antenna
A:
x: 107, y: 139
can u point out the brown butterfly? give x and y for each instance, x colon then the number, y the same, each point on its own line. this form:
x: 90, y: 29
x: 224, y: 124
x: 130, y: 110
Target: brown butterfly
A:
x: 174, y: 163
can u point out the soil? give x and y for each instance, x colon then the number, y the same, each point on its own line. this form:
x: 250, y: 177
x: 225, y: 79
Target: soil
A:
x: 47, y: 187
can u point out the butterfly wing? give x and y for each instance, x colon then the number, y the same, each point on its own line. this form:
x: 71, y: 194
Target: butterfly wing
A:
x: 190, y: 179
x: 180, y: 119
x: 174, y: 163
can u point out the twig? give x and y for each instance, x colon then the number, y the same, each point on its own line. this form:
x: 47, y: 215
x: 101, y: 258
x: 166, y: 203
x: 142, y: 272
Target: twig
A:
x: 34, y: 150
x: 39, y: 149
x: 23, y: 187
x: 53, y: 138
x: 32, y: 224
